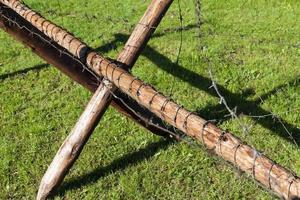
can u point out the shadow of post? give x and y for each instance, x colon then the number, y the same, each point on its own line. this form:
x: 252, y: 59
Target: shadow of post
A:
x: 214, y: 111
x: 24, y: 71
x: 203, y: 83
x: 117, y: 165
x: 122, y: 38
x: 233, y: 100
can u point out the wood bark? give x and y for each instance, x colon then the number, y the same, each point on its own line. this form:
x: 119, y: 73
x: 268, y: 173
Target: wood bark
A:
x: 53, y: 54
x: 74, y: 143
x: 224, y: 144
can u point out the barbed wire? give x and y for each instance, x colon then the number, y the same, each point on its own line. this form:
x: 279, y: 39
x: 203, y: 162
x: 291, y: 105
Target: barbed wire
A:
x: 276, y: 117
x: 177, y: 134
x: 171, y: 93
x: 272, y: 114
x: 48, y: 41
x: 233, y: 112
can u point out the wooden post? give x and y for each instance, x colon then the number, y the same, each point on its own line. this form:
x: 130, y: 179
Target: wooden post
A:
x: 273, y: 176
x: 54, y: 54
x: 74, y: 143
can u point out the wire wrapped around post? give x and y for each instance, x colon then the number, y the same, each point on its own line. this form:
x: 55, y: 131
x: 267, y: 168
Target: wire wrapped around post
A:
x: 284, y: 183
x: 99, y: 102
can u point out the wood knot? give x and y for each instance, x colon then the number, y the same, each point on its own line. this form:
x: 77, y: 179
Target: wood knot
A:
x: 75, y: 150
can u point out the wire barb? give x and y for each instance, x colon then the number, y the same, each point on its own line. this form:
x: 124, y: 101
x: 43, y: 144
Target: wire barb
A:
x: 47, y: 40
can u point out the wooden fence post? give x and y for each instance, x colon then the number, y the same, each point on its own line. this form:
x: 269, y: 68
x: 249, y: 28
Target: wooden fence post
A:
x: 73, y: 145
x: 54, y: 54
x: 273, y: 176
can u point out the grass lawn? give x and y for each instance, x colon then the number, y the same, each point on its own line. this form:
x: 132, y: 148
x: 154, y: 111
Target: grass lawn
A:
x: 253, y: 50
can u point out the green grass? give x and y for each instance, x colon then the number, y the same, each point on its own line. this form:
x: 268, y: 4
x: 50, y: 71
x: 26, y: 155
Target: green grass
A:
x: 254, y: 52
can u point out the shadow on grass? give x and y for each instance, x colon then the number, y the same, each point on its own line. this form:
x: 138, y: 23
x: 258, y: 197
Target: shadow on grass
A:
x: 122, y: 38
x: 129, y: 159
x: 24, y: 71
x: 210, y: 112
x: 117, y: 165
x: 244, y: 106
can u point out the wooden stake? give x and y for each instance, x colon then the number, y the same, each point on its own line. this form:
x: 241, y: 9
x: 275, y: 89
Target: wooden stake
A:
x: 52, y: 53
x: 74, y: 143
x: 224, y: 144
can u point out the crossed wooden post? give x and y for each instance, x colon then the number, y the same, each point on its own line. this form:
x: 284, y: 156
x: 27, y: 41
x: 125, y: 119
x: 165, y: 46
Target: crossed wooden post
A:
x: 72, y: 146
x: 273, y: 176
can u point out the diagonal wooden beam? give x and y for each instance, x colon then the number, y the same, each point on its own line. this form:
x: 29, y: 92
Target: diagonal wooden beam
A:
x: 74, y: 143
x: 54, y: 54
x: 273, y: 176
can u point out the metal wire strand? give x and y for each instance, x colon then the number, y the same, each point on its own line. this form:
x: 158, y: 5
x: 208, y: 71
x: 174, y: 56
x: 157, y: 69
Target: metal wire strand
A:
x: 293, y: 178
x: 152, y: 98
x: 109, y: 63
x: 13, y: 5
x: 163, y: 107
x: 220, y: 139
x: 130, y: 85
x: 185, y: 121
x: 30, y: 20
x: 257, y: 154
x: 147, y: 26
x: 202, y: 133
x: 138, y: 90
x: 235, y: 152
x: 177, y: 111
x: 119, y: 77
x: 269, y: 174
x: 148, y: 120
x: 112, y: 73
x: 64, y: 37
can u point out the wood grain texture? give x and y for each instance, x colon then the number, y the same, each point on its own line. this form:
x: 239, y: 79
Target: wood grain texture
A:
x: 74, y: 143
x: 71, y: 67
x: 227, y: 146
